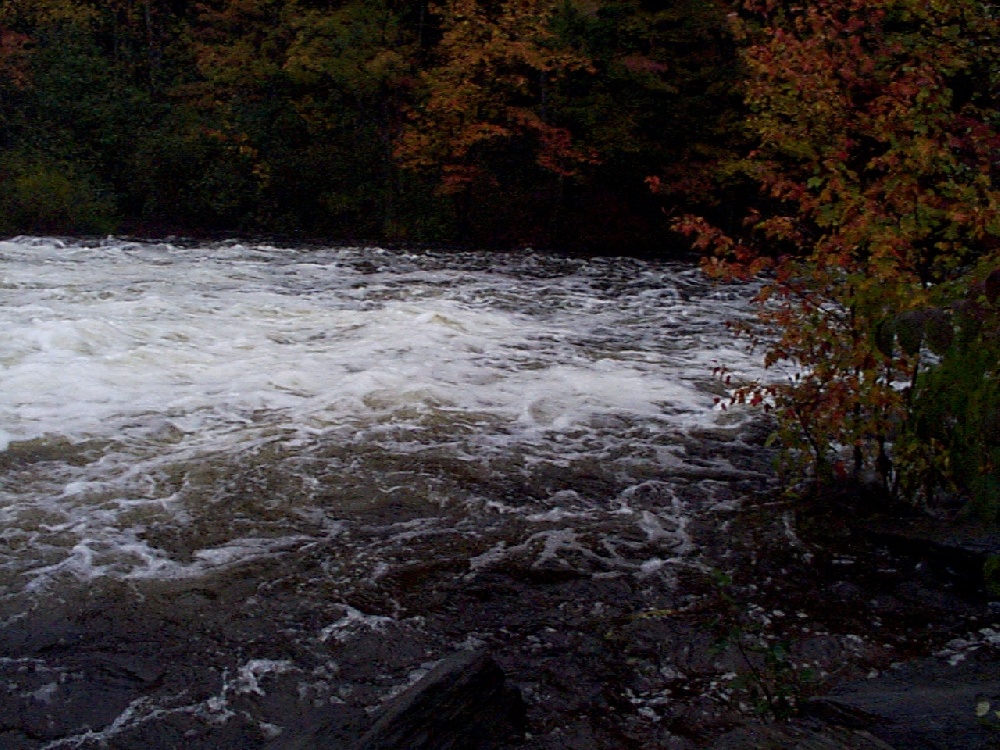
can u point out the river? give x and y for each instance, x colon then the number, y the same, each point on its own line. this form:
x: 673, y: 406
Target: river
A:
x: 230, y: 469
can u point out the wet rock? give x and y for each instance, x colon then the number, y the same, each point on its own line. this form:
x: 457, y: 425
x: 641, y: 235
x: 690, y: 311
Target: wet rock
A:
x: 929, y: 704
x: 798, y: 738
x: 845, y: 591
x: 462, y: 704
x: 126, y: 669
x: 828, y: 649
x: 934, y: 599
x: 958, y: 550
x: 885, y: 604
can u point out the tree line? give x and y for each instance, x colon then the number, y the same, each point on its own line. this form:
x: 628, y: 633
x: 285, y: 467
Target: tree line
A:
x: 497, y: 122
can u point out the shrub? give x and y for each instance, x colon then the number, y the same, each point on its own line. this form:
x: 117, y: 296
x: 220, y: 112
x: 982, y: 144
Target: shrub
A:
x: 875, y: 126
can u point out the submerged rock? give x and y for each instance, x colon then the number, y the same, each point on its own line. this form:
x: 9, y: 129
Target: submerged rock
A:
x: 464, y: 703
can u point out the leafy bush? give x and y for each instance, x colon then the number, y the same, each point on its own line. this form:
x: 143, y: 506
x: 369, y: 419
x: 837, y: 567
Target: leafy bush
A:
x: 876, y: 153
x: 951, y: 439
x: 991, y: 574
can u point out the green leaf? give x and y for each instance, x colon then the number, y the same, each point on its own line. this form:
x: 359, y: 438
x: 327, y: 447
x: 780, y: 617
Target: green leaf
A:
x: 991, y: 573
x: 885, y: 335
x: 991, y: 426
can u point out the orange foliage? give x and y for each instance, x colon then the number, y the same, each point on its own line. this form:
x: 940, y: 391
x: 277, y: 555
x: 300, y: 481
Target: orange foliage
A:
x: 489, y: 84
x: 877, y: 161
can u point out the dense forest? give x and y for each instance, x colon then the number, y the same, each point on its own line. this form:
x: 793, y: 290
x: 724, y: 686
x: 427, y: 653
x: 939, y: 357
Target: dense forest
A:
x: 499, y: 123
x: 849, y: 151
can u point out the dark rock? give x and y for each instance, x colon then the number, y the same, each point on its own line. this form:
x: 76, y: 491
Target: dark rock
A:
x: 798, y: 738
x: 958, y: 550
x: 845, y: 591
x: 925, y: 705
x: 330, y: 726
x: 462, y: 704
x: 886, y: 604
x: 126, y: 668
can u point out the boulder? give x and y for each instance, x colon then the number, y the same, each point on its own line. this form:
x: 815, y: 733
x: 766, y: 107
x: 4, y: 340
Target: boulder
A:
x: 464, y: 703
x: 930, y: 704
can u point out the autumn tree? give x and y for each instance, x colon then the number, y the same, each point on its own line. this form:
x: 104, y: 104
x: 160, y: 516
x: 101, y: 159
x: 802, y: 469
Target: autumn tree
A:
x: 504, y: 122
x: 355, y: 66
x: 552, y: 112
x: 494, y: 69
x: 61, y: 118
x: 664, y: 96
x: 306, y: 96
x: 877, y: 160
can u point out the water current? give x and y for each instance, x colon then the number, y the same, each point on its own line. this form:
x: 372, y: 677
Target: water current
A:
x: 193, y: 419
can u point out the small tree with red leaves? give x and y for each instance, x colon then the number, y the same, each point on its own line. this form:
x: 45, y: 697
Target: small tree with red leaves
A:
x: 877, y: 155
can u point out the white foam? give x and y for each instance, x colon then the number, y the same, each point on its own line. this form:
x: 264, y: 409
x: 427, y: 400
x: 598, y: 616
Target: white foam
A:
x: 249, y: 675
x: 129, y: 371
x: 215, y: 709
x: 95, y: 355
x: 353, y: 622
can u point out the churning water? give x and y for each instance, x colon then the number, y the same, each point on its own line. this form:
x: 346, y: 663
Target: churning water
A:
x: 165, y: 409
x: 168, y: 412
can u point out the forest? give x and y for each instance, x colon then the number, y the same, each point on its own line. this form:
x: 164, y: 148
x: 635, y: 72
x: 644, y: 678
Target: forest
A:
x: 498, y: 123
x: 847, y: 152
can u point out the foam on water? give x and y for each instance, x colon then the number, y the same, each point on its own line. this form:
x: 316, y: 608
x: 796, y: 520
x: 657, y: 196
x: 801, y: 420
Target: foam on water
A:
x: 215, y: 710
x: 143, y: 384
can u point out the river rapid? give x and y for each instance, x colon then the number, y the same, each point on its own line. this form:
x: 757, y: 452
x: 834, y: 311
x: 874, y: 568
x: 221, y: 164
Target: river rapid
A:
x: 247, y: 493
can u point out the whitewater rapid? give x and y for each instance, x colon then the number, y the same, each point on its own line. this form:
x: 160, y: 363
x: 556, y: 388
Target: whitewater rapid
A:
x: 166, y: 409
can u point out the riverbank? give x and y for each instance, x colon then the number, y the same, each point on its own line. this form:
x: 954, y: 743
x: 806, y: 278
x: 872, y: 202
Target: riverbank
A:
x: 782, y: 605
x: 818, y: 624
x: 809, y: 624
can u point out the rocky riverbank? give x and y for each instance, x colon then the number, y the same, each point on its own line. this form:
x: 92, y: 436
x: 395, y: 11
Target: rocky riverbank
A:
x: 836, y: 628
x: 793, y: 626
